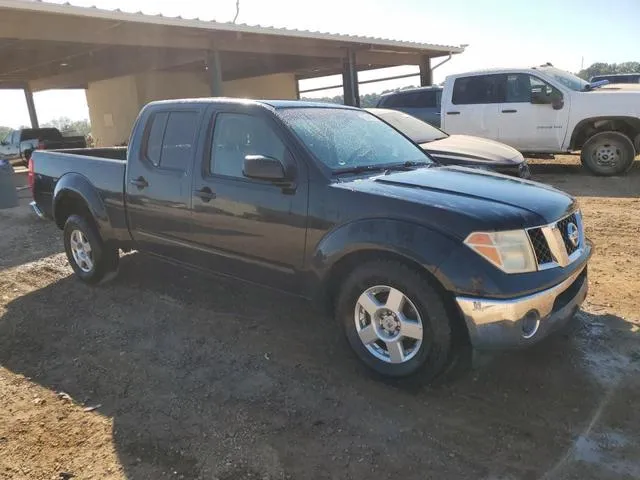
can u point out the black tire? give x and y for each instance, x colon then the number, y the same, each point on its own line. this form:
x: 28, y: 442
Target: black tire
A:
x: 104, y: 260
x: 432, y: 355
x: 602, y: 147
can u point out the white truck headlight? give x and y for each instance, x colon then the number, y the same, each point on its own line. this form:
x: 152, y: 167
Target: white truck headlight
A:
x: 510, y: 251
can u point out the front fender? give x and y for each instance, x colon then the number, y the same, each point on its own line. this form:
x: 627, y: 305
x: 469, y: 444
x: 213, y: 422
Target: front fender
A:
x: 79, y: 188
x: 417, y: 243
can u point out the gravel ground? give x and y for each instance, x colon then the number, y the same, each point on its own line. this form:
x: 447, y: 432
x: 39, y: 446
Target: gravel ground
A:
x: 168, y: 373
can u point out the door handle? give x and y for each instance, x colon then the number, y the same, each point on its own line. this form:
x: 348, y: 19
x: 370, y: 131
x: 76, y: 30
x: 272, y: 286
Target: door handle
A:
x: 453, y: 113
x: 205, y: 194
x: 139, y: 182
x: 509, y: 111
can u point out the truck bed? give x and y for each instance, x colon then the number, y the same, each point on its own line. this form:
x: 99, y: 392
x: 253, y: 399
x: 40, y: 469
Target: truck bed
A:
x: 104, y: 166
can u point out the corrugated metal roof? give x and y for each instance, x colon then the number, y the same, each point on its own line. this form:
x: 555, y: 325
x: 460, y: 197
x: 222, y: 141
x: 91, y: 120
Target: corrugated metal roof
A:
x: 140, y: 17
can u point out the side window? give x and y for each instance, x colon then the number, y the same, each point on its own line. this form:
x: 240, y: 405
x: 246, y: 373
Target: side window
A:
x: 236, y: 135
x: 178, y: 142
x: 479, y: 89
x: 426, y: 99
x: 170, y: 140
x: 153, y: 150
x: 519, y: 87
x: 15, y: 137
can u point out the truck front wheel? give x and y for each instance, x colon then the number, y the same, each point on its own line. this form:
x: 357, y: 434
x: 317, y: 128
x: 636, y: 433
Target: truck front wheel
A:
x: 608, y: 153
x: 395, y: 321
x: 91, y: 260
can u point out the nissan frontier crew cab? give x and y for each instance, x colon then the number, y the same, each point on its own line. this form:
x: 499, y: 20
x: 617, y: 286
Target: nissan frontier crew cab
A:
x: 547, y: 110
x: 333, y: 204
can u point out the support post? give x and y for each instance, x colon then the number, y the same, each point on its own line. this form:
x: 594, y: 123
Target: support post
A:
x: 426, y: 74
x: 350, y: 80
x: 297, y: 80
x: 214, y: 73
x: 31, y: 106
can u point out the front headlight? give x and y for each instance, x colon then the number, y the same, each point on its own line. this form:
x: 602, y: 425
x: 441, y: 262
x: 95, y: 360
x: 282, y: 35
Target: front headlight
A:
x: 510, y: 251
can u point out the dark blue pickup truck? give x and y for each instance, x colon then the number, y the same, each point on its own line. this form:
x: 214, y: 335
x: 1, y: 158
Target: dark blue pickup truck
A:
x: 335, y: 205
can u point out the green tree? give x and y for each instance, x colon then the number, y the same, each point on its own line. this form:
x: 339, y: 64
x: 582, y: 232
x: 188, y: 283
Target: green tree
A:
x: 609, y: 68
x: 71, y: 127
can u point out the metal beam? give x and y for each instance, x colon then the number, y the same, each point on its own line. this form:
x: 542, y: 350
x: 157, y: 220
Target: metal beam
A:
x: 31, y: 106
x: 214, y: 71
x: 426, y: 75
x: 350, y: 80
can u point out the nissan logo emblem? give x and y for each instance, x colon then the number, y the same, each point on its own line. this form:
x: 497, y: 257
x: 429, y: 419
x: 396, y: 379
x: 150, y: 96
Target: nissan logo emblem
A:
x: 573, y: 234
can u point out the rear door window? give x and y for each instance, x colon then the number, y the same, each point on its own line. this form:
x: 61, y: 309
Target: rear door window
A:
x: 171, y: 139
x: 480, y: 89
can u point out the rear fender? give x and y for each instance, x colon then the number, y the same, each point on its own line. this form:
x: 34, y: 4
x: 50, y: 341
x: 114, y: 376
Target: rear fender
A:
x: 80, y: 189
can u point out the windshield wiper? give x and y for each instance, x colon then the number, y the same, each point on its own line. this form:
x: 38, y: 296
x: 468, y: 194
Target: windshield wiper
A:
x: 386, y: 168
x: 406, y: 166
x: 360, y: 169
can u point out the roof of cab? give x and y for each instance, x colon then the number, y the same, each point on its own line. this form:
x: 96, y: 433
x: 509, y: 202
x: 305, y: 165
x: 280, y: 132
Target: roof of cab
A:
x: 275, y: 104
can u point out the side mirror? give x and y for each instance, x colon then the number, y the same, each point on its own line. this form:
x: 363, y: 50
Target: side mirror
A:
x: 3, y: 143
x: 539, y: 96
x: 262, y: 167
x: 557, y: 102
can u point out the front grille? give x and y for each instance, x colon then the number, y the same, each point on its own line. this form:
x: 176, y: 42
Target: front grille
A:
x: 540, y: 246
x: 563, y: 226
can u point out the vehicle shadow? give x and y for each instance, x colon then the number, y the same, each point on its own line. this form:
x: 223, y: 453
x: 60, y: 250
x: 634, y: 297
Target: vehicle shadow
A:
x: 210, y: 378
x: 576, y: 180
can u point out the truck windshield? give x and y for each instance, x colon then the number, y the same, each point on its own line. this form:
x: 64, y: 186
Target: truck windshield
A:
x: 345, y: 139
x: 569, y: 80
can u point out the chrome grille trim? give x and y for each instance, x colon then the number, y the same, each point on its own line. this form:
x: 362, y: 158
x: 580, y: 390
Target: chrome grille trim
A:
x: 556, y: 243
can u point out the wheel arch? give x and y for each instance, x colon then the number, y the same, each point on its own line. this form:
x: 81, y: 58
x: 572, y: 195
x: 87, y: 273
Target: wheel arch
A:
x: 74, y: 194
x: 417, y: 247
x: 630, y: 126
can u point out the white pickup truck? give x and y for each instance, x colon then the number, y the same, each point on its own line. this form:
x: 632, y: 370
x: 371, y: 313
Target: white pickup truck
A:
x: 547, y: 110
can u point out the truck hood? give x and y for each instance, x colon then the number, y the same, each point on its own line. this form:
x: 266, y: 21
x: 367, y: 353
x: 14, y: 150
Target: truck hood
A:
x: 488, y: 200
x: 465, y: 149
x: 620, y: 100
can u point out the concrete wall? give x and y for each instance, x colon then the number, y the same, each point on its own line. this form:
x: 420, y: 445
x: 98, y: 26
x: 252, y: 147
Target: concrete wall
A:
x: 280, y: 86
x: 169, y: 85
x: 114, y: 104
x: 113, y: 107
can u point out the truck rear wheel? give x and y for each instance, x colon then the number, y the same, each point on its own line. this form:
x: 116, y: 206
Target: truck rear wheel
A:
x: 608, y: 153
x: 92, y: 261
x: 395, y: 321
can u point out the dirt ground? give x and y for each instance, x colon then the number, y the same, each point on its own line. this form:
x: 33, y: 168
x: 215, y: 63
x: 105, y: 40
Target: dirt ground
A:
x: 167, y: 373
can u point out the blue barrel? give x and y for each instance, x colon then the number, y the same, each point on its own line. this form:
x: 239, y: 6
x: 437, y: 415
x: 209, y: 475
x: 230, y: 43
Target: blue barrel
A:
x: 8, y: 193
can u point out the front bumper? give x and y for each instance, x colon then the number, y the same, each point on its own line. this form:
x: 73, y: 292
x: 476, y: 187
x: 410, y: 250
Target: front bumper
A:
x: 518, y: 322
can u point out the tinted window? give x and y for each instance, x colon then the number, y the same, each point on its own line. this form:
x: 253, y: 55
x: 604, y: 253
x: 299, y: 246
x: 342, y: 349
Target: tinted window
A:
x: 415, y: 129
x: 41, y: 134
x: 170, y: 141
x: 479, y: 89
x: 236, y: 135
x: 419, y: 99
x: 154, y: 138
x: 15, y: 138
x: 178, y: 143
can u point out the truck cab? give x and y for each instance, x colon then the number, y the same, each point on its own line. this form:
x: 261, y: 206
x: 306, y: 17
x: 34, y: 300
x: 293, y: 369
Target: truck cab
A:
x: 547, y: 110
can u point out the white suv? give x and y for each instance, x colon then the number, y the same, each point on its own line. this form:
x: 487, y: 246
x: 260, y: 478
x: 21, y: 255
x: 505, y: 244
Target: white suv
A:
x: 547, y: 110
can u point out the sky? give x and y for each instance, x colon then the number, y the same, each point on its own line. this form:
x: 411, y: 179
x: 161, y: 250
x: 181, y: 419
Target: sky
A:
x: 499, y: 33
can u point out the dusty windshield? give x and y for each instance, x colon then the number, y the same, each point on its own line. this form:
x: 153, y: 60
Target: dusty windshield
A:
x: 344, y: 139
x: 567, y: 79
